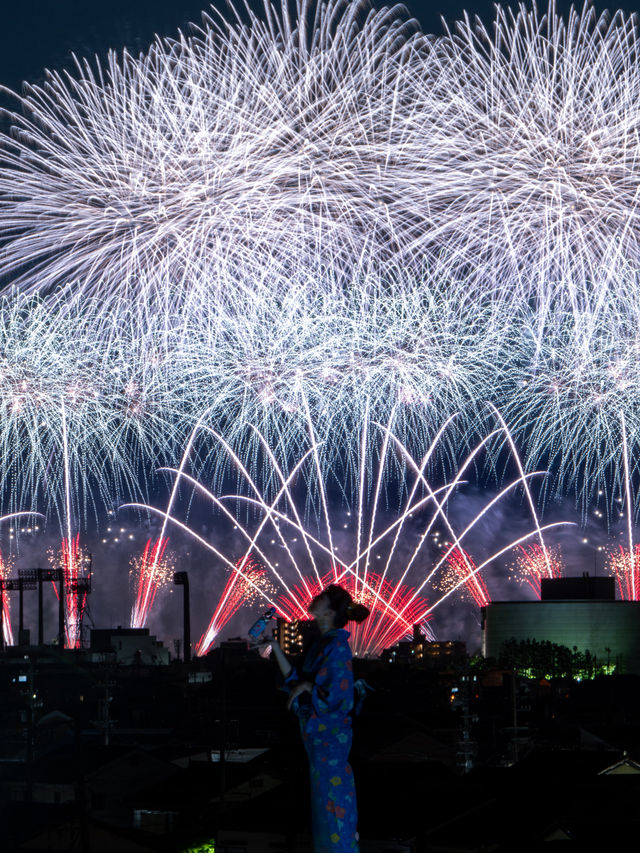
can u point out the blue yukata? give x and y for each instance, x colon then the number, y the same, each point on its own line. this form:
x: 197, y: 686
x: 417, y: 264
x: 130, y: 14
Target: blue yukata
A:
x: 325, y: 723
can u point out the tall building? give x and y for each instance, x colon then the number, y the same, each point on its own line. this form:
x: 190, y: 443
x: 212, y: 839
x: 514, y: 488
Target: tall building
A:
x: 579, y: 612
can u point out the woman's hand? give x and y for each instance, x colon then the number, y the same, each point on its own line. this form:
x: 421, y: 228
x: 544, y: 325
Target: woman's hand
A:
x: 301, y: 687
x: 261, y: 646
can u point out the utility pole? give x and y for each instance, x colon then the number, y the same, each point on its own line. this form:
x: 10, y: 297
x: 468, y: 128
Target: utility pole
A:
x: 514, y: 715
x: 40, y: 609
x: 223, y: 727
x: 60, y: 608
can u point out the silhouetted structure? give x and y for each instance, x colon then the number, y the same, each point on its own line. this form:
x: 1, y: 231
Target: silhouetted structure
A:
x: 130, y: 646
x: 585, y: 588
x: 182, y: 579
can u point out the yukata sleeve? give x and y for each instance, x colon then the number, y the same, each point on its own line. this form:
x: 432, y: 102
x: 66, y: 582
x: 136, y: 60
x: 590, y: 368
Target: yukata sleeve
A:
x: 293, y: 676
x: 333, y: 686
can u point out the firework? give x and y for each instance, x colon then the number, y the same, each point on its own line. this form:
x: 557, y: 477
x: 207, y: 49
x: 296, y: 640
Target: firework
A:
x: 245, y: 584
x: 566, y: 400
x: 382, y: 346
x: 150, y: 572
x: 81, y: 414
x: 324, y: 212
x: 6, y: 566
x: 384, y: 559
x: 625, y: 568
x: 533, y: 563
x: 460, y: 567
x: 278, y: 137
x: 74, y: 563
x: 534, y: 123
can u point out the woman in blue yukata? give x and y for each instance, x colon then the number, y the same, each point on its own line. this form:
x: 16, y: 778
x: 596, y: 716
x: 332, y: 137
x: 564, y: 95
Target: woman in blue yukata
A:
x: 321, y: 695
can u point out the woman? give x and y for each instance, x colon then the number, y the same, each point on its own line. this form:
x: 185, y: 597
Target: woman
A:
x: 321, y: 695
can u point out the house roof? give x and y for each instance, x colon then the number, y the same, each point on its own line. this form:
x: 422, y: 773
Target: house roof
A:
x: 625, y: 767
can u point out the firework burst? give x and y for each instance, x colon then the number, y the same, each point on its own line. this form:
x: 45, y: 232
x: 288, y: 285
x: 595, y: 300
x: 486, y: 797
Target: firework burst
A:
x: 248, y: 141
x: 324, y: 211
x: 321, y: 215
x: 246, y: 584
x: 533, y: 563
x: 74, y: 563
x: 573, y: 395
x: 461, y: 567
x: 78, y: 408
x: 382, y: 346
x: 150, y: 572
x: 625, y: 568
x: 535, y: 186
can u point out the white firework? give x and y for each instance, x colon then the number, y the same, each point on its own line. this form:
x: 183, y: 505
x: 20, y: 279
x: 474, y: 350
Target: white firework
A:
x: 535, y: 128
x: 274, y: 138
x: 566, y: 399
x: 508, y: 158
x: 75, y: 403
x: 325, y: 217
x: 340, y: 358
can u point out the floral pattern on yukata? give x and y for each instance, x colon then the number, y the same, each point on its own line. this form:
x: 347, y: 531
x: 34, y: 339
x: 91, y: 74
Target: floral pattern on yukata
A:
x: 325, y: 723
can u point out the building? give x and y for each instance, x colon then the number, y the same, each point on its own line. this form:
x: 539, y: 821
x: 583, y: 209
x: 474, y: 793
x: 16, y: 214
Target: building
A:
x: 292, y: 636
x: 132, y: 646
x: 441, y: 654
x: 579, y: 612
x: 435, y: 654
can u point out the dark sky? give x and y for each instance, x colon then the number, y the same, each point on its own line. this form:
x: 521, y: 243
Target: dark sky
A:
x: 43, y: 33
x: 36, y: 34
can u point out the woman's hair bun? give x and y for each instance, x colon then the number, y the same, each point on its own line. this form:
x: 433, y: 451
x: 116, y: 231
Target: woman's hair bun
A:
x: 357, y: 612
x: 344, y: 607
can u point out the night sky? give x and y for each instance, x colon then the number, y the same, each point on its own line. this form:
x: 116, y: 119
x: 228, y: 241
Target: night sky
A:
x: 37, y: 35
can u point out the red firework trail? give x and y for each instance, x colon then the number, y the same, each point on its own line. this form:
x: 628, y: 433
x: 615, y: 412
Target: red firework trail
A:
x: 462, y: 568
x: 5, y: 569
x: 626, y: 571
x: 243, y: 586
x: 382, y: 628
x: 75, y: 564
x: 533, y: 563
x: 152, y: 570
x: 294, y: 606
